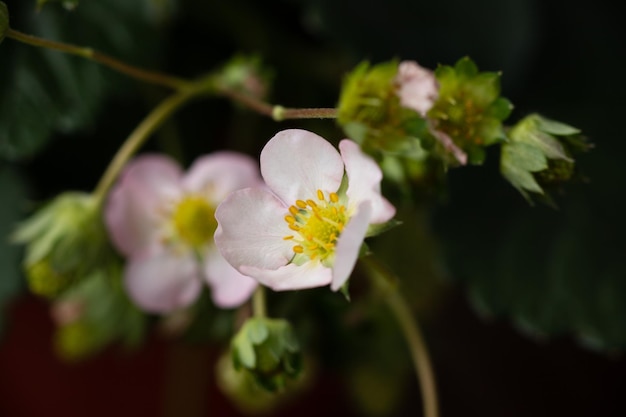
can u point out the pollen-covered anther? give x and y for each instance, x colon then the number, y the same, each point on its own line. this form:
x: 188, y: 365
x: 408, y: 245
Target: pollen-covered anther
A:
x: 318, y: 224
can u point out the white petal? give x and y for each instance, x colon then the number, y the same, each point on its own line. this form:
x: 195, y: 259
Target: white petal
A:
x: 296, y: 163
x: 132, y: 211
x: 364, y: 177
x: 291, y: 277
x: 349, y: 245
x: 218, y: 174
x: 251, y: 228
x: 163, y: 282
x: 229, y: 288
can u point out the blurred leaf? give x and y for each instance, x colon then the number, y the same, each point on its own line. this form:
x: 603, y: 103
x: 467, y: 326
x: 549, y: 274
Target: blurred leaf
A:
x: 553, y: 273
x: 12, y: 193
x: 45, y: 91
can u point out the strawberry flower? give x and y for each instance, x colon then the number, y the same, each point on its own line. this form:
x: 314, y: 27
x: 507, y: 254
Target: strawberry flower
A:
x: 306, y: 227
x: 162, y: 221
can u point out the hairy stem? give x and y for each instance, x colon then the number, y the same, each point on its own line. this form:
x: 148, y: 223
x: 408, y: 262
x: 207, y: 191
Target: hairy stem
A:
x: 108, y: 61
x: 384, y: 281
x: 278, y: 113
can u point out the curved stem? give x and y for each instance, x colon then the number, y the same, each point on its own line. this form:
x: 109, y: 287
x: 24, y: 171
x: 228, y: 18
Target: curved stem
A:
x: 385, y: 281
x: 156, y: 117
x: 259, y: 305
x: 132, y: 71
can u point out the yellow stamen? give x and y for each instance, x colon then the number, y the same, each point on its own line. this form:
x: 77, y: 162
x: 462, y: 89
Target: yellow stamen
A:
x: 288, y: 237
x: 301, y: 204
x: 293, y: 210
x: 298, y: 249
x: 320, y: 195
x: 334, y: 197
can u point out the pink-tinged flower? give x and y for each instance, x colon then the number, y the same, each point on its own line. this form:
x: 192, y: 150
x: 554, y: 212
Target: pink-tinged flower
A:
x: 417, y: 87
x: 306, y: 227
x: 162, y: 220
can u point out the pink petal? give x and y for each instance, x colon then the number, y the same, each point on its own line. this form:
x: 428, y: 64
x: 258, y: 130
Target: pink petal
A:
x: 163, y: 282
x: 417, y: 87
x: 349, y: 245
x: 364, y: 177
x: 132, y: 209
x: 218, y: 174
x: 229, y: 288
x: 450, y: 146
x: 251, y: 228
x: 296, y: 163
x: 291, y: 277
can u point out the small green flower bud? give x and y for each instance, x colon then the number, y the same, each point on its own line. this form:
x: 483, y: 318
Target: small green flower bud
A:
x: 45, y: 281
x: 65, y: 241
x: 4, y: 20
x: 246, y: 75
x: 539, y: 153
x: 267, y: 349
x: 94, y: 313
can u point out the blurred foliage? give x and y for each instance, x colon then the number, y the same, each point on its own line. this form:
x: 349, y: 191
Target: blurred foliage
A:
x: 45, y: 92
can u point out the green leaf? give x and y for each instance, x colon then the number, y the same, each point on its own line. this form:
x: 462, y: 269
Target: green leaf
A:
x: 12, y: 197
x: 46, y: 92
x: 4, y: 20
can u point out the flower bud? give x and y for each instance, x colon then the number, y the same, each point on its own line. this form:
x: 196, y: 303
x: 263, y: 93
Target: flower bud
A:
x: 267, y: 350
x: 469, y: 111
x: 246, y: 75
x: 539, y: 154
x: 65, y: 241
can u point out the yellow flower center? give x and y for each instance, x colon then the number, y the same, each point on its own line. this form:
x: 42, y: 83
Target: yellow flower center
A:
x: 194, y: 221
x: 317, y: 225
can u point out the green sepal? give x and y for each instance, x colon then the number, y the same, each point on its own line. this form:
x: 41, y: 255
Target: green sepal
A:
x: 268, y: 350
x: 469, y: 109
x: 376, y: 229
x: 4, y: 20
x: 65, y: 241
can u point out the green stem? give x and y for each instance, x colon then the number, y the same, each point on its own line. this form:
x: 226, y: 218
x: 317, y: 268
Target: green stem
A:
x: 132, y: 71
x: 137, y: 138
x: 258, y: 302
x: 385, y: 281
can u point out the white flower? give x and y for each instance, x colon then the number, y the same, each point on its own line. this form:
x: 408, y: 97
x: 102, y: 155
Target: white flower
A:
x: 162, y: 221
x: 306, y: 227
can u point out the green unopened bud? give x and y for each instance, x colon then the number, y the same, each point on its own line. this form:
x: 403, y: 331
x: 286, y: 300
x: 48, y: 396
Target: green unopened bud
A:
x: 65, y: 241
x: 246, y: 75
x: 469, y: 110
x: 539, y: 153
x: 93, y: 314
x: 45, y: 281
x: 75, y: 341
x: 267, y: 349
x: 4, y: 20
